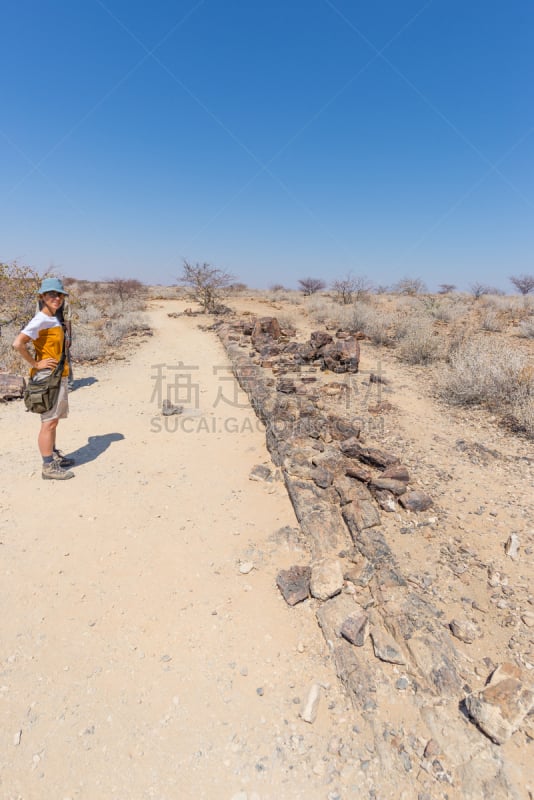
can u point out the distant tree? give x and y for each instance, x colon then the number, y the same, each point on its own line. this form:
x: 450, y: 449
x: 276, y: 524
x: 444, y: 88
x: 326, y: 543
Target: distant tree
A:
x: 351, y: 287
x: 237, y: 288
x: 382, y: 289
x: 344, y: 289
x: 480, y: 289
x: 126, y: 288
x: 311, y: 285
x: 523, y: 283
x: 277, y: 287
x: 410, y: 286
x: 206, y: 285
x: 446, y: 288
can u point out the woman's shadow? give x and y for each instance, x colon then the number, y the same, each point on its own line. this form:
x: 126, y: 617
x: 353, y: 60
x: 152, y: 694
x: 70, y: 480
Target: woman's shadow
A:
x: 96, y: 445
x: 80, y: 383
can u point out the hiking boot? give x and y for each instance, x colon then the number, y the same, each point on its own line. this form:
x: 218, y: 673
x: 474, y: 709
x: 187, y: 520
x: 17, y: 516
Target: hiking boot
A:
x: 62, y: 460
x: 54, y: 472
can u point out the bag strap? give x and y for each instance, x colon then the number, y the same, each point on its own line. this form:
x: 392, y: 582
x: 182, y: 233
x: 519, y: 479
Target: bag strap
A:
x: 61, y: 363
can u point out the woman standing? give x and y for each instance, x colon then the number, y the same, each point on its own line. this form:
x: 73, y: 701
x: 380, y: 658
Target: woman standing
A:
x: 46, y: 333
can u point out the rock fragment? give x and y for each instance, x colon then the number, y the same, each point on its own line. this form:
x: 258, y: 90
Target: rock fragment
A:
x: 415, y: 501
x: 168, y: 409
x: 385, y: 647
x: 322, y: 477
x: 385, y: 500
x: 432, y: 749
x: 355, y: 629
x: 326, y: 578
x: 500, y: 708
x: 390, y: 484
x: 294, y: 584
x: 358, y: 473
x: 373, y: 456
x: 511, y: 548
x: 265, y: 329
x: 260, y: 472
x: 464, y: 630
x: 359, y: 515
x: 340, y: 428
x: 398, y: 472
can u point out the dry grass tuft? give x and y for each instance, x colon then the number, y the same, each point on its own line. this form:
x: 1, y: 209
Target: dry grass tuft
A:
x: 420, y: 343
x: 526, y: 328
x: 491, y: 373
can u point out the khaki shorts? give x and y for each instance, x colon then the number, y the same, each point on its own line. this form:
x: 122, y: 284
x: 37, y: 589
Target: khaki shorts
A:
x: 60, y: 410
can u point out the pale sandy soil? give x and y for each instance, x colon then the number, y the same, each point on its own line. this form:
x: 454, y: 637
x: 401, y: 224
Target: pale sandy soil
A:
x: 136, y: 660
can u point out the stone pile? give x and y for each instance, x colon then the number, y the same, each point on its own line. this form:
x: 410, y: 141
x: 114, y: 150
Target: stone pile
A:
x: 274, y: 349
x: 371, y: 617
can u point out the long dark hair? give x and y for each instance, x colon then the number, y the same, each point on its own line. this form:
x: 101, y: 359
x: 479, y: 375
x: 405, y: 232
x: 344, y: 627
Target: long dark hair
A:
x: 59, y: 313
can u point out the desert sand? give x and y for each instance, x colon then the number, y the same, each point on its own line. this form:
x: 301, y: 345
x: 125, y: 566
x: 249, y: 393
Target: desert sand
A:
x: 138, y: 661
x: 146, y: 650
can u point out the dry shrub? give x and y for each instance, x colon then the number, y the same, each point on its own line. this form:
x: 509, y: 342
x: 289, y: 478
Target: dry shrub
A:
x: 289, y: 320
x: 321, y: 309
x: 361, y: 316
x: 18, y: 290
x: 483, y: 372
x: 443, y: 309
x: 124, y: 289
x: 498, y: 302
x: 116, y: 329
x: 10, y: 360
x: 526, y: 328
x: 324, y: 311
x: 166, y: 293
x: 282, y: 295
x: 491, y: 321
x: 87, y: 345
x: 378, y: 325
x: 420, y: 343
x: 85, y: 314
x: 460, y: 333
x: 521, y: 417
x: 381, y: 328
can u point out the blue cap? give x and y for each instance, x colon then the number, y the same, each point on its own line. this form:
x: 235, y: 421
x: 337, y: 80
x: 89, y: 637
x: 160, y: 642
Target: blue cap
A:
x: 51, y: 285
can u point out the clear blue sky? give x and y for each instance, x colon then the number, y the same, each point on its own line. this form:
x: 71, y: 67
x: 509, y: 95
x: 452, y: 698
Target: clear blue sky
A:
x: 275, y: 139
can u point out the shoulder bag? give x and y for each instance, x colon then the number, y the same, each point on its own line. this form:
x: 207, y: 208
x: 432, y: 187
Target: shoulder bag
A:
x: 42, y: 389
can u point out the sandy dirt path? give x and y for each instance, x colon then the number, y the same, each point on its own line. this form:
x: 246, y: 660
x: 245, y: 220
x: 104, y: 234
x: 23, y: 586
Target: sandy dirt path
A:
x: 137, y: 661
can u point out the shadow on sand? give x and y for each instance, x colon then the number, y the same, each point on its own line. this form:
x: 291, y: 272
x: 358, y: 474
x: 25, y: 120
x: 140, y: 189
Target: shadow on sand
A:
x: 96, y: 445
x: 81, y: 382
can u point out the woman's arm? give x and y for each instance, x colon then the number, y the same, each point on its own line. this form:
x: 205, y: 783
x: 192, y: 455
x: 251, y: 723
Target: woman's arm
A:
x: 20, y: 345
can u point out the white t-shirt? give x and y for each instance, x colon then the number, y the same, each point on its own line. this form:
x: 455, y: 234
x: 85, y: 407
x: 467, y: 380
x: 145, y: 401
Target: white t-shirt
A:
x: 40, y: 322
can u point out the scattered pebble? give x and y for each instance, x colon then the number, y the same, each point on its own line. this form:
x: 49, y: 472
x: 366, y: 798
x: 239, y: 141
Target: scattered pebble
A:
x: 511, y: 548
x: 311, y: 705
